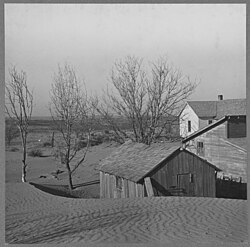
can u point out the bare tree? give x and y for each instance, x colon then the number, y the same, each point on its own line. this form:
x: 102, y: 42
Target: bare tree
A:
x: 19, y: 106
x: 149, y: 103
x: 69, y: 109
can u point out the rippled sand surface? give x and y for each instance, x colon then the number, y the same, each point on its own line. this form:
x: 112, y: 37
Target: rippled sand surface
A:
x: 33, y: 216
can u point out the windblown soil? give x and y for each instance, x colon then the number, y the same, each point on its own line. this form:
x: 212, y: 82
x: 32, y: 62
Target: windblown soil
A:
x: 38, y: 214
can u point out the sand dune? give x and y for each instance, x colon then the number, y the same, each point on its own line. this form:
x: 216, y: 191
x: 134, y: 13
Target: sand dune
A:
x: 33, y: 216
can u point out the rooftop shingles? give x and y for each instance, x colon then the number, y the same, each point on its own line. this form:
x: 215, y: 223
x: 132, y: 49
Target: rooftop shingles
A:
x: 204, y: 108
x: 231, y: 107
x: 134, y: 160
x: 219, y: 109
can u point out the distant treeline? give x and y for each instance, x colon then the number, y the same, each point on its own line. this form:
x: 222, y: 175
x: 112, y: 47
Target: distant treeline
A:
x: 99, y: 125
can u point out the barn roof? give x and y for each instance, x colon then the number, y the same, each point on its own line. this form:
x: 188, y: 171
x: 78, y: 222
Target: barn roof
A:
x: 219, y: 109
x: 133, y: 161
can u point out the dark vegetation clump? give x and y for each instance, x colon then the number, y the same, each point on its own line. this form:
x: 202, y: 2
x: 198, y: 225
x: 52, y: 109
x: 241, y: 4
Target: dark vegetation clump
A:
x: 35, y: 153
x: 47, y: 144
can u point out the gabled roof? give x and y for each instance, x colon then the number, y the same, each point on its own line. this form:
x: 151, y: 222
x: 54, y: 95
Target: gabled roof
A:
x: 203, y: 108
x: 218, y: 109
x: 133, y: 161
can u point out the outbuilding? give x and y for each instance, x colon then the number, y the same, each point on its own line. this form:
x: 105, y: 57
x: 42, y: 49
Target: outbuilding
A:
x: 161, y: 169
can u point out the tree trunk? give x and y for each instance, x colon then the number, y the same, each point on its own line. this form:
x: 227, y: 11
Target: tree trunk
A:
x: 24, y: 166
x: 69, y: 178
x: 52, y: 140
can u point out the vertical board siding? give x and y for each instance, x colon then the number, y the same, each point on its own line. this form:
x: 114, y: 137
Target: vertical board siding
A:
x: 113, y: 190
x: 136, y: 190
x: 131, y: 189
x: 123, y: 188
x: 149, y: 187
x: 164, y: 177
x: 186, y: 164
x: 126, y: 188
x: 107, y: 185
x: 192, y: 171
x: 205, y: 182
x: 140, y: 190
x: 101, y: 185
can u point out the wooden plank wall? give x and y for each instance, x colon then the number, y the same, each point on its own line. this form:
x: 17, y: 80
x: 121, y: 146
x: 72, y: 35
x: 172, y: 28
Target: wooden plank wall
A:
x: 219, y: 152
x: 184, y: 163
x: 129, y: 188
x: 166, y: 176
x: 149, y: 187
x: 102, y: 185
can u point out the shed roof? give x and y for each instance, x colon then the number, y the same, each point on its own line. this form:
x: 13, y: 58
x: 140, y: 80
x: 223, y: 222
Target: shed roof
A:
x: 219, y: 109
x: 133, y: 161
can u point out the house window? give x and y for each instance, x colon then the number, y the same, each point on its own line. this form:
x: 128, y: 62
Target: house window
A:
x: 119, y: 183
x: 210, y: 121
x: 200, y: 148
x: 189, y: 126
x: 236, y: 127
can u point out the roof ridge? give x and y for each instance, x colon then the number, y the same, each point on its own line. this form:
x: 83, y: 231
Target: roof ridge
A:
x: 215, y: 100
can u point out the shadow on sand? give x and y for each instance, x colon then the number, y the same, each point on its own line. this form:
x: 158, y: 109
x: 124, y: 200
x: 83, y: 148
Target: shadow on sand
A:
x: 63, y: 190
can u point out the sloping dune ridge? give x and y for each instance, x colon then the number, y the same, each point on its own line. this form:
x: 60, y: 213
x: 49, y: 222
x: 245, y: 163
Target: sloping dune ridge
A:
x: 33, y: 216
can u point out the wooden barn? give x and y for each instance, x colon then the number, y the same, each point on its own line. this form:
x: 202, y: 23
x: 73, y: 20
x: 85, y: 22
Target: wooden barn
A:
x: 161, y: 169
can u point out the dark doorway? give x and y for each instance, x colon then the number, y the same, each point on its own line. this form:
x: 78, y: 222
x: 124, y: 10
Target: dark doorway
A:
x: 185, y: 181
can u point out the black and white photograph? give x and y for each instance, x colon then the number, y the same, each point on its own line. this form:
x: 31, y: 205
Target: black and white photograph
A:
x: 125, y: 124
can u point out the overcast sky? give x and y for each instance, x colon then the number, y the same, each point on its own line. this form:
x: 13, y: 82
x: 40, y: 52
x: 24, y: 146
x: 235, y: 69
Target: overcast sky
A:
x: 207, y: 42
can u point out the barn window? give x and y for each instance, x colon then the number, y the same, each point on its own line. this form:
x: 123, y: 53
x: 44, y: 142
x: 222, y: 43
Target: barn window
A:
x: 200, y: 148
x: 189, y: 126
x: 210, y: 121
x: 119, y: 183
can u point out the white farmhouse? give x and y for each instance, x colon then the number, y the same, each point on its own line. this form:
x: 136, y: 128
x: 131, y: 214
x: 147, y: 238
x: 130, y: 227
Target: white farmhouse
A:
x: 198, y: 114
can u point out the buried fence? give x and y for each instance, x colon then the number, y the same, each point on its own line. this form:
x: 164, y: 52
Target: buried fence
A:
x: 229, y: 188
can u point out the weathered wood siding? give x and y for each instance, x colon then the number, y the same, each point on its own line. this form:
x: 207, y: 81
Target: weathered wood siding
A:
x: 109, y: 189
x: 204, y: 122
x: 184, y: 171
x: 222, y: 153
x: 188, y: 114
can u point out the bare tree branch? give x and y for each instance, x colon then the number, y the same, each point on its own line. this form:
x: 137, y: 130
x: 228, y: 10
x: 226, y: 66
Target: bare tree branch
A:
x: 19, y: 106
x: 146, y: 101
x: 70, y: 110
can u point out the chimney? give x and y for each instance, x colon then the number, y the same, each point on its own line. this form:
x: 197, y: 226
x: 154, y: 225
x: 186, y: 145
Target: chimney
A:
x: 220, y: 97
